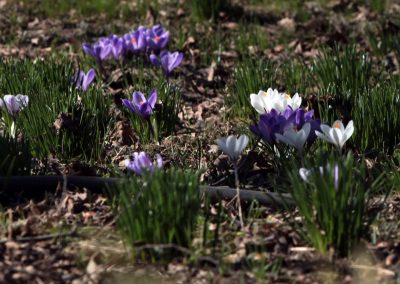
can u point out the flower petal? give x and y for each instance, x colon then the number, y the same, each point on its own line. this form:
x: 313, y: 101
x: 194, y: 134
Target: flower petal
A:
x: 231, y: 145
x: 88, y: 78
x: 138, y: 99
x: 349, y: 130
x: 152, y: 98
x: 241, y: 143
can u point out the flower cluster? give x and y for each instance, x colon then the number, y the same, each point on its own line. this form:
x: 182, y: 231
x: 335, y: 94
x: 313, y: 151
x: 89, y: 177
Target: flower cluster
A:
x: 282, y: 120
x: 141, y: 40
x: 271, y: 99
x: 274, y: 122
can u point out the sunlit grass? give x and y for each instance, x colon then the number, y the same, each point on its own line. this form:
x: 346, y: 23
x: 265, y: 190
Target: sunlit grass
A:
x: 59, y: 119
x: 161, y: 208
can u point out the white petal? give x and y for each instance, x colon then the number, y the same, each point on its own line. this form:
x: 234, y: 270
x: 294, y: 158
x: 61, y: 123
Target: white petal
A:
x: 262, y: 93
x: 337, y: 137
x: 286, y: 140
x: 221, y: 142
x: 323, y: 136
x: 230, y: 146
x: 306, y: 128
x: 257, y: 102
x: 349, y: 130
x: 305, y: 174
x: 241, y: 143
x: 325, y: 129
x: 295, y: 101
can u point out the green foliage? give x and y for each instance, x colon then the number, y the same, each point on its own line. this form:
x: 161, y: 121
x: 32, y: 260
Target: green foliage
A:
x: 15, y: 157
x: 207, y: 9
x: 378, y: 6
x: 211, y: 47
x: 146, y: 5
x: 57, y: 8
x: 344, y: 74
x: 249, y: 77
x: 82, y: 117
x: 165, y: 115
x: 296, y: 76
x: 250, y: 35
x: 161, y: 208
x: 333, y: 204
x: 376, y: 117
x: 383, y: 38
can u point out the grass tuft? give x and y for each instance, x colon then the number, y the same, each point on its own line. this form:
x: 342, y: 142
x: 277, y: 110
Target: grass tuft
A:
x: 161, y: 208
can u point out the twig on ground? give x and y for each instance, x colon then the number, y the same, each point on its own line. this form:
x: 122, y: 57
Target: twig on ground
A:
x: 37, y: 186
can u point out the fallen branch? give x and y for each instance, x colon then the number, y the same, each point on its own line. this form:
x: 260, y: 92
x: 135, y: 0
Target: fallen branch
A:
x: 37, y: 186
x: 40, y: 238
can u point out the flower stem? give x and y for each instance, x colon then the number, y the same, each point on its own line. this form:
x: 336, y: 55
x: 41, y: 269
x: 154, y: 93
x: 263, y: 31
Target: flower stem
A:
x: 153, y: 133
x: 239, y: 205
x: 301, y: 158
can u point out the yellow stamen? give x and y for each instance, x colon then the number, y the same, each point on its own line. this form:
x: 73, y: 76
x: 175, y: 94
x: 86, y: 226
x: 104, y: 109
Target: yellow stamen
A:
x: 336, y: 125
x: 156, y: 39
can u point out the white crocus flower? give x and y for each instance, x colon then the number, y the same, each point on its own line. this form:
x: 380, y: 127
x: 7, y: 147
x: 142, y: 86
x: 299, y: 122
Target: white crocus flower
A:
x: 272, y: 99
x: 295, y: 138
x: 337, y: 134
x: 233, y: 146
x: 295, y: 101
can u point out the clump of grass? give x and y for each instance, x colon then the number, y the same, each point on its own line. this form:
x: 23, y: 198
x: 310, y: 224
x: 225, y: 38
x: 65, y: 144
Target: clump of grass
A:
x: 378, y: 6
x: 207, y: 9
x: 165, y: 114
x: 57, y: 8
x: 60, y: 119
x: 249, y: 77
x: 161, y: 208
x: 251, y: 35
x: 146, y: 5
x: 377, y: 115
x: 333, y: 203
x: 212, y: 45
x: 295, y: 75
x: 15, y: 157
x: 344, y: 74
x: 382, y: 38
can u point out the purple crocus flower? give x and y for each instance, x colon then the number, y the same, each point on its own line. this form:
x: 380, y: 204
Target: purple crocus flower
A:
x: 82, y: 80
x: 297, y: 118
x: 270, y: 123
x: 140, y: 105
x: 100, y: 50
x: 141, y: 162
x: 168, y: 61
x: 273, y: 122
x: 117, y: 45
x: 157, y: 38
x: 13, y: 104
x: 136, y: 41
